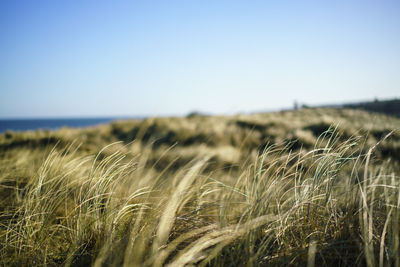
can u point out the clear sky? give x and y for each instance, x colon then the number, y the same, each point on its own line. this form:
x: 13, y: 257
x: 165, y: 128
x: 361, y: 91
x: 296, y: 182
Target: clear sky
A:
x: 114, y: 58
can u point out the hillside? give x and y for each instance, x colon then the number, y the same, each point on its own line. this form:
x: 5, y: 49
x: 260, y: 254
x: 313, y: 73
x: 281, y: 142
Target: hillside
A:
x: 238, y: 136
x: 270, y: 188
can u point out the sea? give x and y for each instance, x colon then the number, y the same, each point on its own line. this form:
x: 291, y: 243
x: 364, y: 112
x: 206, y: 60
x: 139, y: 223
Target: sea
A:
x: 52, y: 124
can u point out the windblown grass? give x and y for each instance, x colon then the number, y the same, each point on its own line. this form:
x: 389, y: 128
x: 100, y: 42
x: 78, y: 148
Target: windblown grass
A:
x: 334, y: 203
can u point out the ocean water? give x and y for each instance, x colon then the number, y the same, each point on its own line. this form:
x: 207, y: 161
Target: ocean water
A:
x: 50, y: 124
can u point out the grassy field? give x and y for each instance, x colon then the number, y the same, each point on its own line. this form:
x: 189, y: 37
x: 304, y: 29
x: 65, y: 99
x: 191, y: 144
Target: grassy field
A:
x: 312, y: 187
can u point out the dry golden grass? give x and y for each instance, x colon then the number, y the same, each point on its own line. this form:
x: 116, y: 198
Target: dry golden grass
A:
x: 312, y: 187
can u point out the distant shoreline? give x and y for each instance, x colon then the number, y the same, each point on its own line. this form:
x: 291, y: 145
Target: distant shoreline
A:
x: 31, y: 124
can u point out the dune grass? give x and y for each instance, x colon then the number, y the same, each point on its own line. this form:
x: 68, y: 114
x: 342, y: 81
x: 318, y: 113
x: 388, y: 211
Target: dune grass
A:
x: 336, y: 202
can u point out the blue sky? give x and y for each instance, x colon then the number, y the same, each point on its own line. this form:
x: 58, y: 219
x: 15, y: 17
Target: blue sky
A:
x: 127, y: 58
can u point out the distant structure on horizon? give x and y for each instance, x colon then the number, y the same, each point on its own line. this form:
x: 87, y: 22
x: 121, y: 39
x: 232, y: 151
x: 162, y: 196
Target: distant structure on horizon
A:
x: 389, y: 107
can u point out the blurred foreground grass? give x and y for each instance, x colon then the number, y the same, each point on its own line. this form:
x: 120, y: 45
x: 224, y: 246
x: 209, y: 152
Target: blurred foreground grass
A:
x: 311, y: 187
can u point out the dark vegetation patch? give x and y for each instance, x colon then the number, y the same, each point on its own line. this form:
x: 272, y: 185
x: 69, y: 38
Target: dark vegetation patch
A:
x: 318, y: 128
x: 380, y: 134
x: 388, y: 107
x: 251, y: 125
x: 296, y: 144
x: 123, y: 134
x: 157, y: 135
x: 30, y: 142
x: 390, y: 152
x: 196, y: 114
x: 261, y: 127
